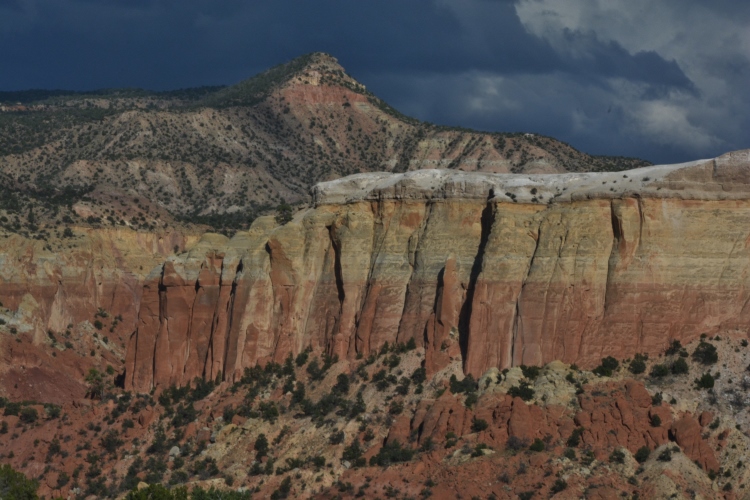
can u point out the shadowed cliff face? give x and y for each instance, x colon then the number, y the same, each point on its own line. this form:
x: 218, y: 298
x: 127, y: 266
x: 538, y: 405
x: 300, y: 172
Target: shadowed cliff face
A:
x: 67, y: 305
x: 497, y: 270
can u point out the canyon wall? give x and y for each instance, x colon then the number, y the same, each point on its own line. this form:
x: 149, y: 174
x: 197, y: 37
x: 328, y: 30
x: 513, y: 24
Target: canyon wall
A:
x: 497, y: 269
x: 49, y: 284
x: 51, y: 292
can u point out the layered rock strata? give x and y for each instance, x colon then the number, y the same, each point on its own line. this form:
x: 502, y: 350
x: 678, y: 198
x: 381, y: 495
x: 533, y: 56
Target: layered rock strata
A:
x: 499, y: 269
x: 44, y: 288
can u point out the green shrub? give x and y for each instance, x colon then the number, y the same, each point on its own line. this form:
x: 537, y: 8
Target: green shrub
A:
x: 655, y: 421
x: 608, y: 366
x: 638, y: 364
x: 427, y: 444
x: 396, y: 408
x: 337, y: 437
x: 283, y: 490
x: 12, y: 408
x: 559, y: 486
x: 205, y: 468
x: 659, y: 371
x: 392, y: 361
x: 157, y: 492
x: 617, y: 456
x: 62, y: 479
x: 178, y: 477
x: 283, y: 214
x: 28, y: 415
x: 680, y: 367
x: 342, y: 384
x: 184, y: 414
x: 674, y: 348
x: 390, y: 453
x: 301, y: 358
x: 656, y: 399
x: 353, y: 453
x: 111, y: 441
x: 537, y: 445
x: 419, y: 376
x: 228, y: 413
x: 575, y: 438
x: 530, y: 372
x: 468, y: 384
x: 313, y: 368
x: 523, y: 391
x: 479, y: 450
x: 298, y: 394
x: 478, y: 424
x: 261, y: 446
x: 642, y: 454
x: 268, y: 411
x: 665, y: 455
x: 52, y: 411
x: 705, y: 353
x: 15, y: 486
x: 705, y: 382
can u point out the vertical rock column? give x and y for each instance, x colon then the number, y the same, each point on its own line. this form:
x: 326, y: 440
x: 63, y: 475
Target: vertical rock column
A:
x: 508, y: 254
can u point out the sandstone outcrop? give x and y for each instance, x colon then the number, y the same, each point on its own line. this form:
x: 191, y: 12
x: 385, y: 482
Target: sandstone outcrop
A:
x: 51, y: 292
x: 500, y: 269
x: 98, y: 268
x: 687, y: 433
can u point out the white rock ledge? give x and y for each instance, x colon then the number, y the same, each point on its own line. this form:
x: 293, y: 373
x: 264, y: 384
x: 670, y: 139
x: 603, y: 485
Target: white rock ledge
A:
x: 724, y: 178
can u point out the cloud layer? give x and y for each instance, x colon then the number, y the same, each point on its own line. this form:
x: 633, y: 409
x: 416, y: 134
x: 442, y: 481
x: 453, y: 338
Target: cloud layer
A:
x: 665, y: 81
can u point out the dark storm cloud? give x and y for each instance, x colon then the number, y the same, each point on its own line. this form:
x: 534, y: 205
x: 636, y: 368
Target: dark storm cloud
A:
x: 10, y: 4
x: 494, y: 64
x: 368, y: 36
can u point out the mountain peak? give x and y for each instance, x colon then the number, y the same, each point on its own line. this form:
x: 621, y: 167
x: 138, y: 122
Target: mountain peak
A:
x: 314, y: 59
x: 253, y: 90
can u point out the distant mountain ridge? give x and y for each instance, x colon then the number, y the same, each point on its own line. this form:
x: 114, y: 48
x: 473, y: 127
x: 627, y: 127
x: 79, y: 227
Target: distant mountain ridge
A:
x: 223, y: 155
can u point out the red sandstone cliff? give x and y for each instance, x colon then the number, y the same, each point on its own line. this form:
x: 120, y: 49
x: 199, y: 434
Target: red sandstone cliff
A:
x: 499, y: 269
x: 53, y: 292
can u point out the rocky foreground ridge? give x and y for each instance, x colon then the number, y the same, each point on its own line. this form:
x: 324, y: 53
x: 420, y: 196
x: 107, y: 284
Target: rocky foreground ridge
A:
x: 497, y: 270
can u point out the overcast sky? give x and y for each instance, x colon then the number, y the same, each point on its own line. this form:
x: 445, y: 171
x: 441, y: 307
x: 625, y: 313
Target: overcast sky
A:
x: 667, y: 81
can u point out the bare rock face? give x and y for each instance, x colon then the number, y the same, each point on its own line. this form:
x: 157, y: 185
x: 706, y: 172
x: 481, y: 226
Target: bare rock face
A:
x: 687, y: 433
x: 50, y: 300
x: 98, y: 268
x: 499, y: 269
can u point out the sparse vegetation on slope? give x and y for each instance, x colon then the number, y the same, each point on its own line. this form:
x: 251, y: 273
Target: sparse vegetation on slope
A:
x: 222, y: 156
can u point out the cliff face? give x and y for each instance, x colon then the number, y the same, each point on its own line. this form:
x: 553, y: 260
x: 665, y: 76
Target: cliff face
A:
x: 51, y: 294
x: 96, y: 268
x: 500, y: 270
